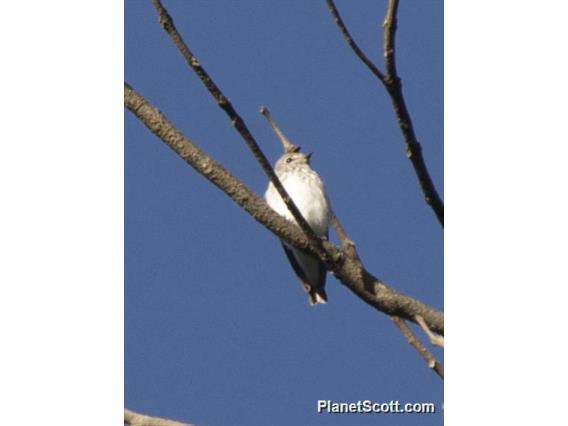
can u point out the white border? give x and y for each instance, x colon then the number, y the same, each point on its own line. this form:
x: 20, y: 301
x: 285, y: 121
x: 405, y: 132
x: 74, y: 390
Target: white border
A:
x: 61, y: 174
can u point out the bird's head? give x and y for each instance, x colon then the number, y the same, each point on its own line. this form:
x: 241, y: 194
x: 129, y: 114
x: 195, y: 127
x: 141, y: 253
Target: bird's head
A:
x: 292, y: 160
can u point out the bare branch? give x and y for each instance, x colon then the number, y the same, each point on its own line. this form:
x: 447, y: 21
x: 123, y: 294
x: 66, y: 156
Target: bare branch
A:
x: 393, y: 85
x: 416, y: 344
x: 351, y: 42
x: 168, y: 25
x: 347, y: 269
x: 389, y: 25
x: 347, y: 243
x: 158, y: 124
x: 136, y: 419
x: 435, y: 339
x: 286, y: 144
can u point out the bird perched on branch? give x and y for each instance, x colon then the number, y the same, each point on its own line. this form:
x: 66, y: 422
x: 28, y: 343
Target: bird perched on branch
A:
x: 307, y: 191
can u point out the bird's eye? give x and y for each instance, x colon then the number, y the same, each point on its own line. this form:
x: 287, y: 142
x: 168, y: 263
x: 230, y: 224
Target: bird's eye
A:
x: 289, y: 160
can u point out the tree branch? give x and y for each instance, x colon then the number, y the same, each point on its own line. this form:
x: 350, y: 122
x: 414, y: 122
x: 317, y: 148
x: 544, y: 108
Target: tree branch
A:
x: 416, y: 344
x: 136, y: 419
x: 393, y: 85
x: 389, y: 26
x: 346, y: 268
x: 238, y: 123
x: 347, y: 244
x: 351, y: 42
x: 434, y: 338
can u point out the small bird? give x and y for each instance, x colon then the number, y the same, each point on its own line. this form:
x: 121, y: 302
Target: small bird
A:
x: 306, y: 189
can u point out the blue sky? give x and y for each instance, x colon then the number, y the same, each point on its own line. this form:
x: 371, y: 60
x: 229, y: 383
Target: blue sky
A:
x: 217, y: 328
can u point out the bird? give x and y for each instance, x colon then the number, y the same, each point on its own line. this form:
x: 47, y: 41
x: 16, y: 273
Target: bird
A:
x: 306, y: 189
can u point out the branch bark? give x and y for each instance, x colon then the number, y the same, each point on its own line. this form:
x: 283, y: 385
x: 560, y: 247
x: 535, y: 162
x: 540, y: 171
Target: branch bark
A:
x: 136, y: 419
x: 347, y: 268
x: 393, y: 85
x: 434, y: 338
x: 416, y: 344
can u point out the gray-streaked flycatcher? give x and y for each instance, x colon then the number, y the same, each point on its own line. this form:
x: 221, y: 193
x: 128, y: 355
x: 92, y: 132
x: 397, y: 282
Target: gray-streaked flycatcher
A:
x: 305, y: 187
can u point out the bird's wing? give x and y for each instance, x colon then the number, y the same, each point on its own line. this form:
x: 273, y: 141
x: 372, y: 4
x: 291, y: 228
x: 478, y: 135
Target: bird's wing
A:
x: 303, y: 265
x: 296, y: 266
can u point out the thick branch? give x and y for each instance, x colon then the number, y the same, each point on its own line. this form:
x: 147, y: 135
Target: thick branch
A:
x: 136, y: 419
x: 393, y: 85
x: 168, y: 25
x: 158, y: 124
x: 347, y: 269
x: 416, y: 344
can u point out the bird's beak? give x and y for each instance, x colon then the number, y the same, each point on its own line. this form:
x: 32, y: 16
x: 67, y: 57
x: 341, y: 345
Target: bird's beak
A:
x: 309, y: 156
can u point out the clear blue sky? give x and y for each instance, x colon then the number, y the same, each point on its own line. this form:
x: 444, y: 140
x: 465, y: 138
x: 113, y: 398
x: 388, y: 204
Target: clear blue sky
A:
x: 218, y: 329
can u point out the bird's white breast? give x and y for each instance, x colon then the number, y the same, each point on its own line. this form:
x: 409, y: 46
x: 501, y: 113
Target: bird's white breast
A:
x: 307, y: 191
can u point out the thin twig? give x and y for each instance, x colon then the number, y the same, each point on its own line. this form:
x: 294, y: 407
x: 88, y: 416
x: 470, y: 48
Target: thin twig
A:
x: 389, y: 26
x: 348, y: 270
x: 136, y: 419
x: 168, y: 25
x: 347, y: 243
x: 435, y: 339
x: 286, y: 144
x: 392, y: 83
x: 416, y: 344
x: 351, y: 42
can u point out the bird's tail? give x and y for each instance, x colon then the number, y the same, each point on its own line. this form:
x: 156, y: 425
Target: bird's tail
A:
x: 317, y: 295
